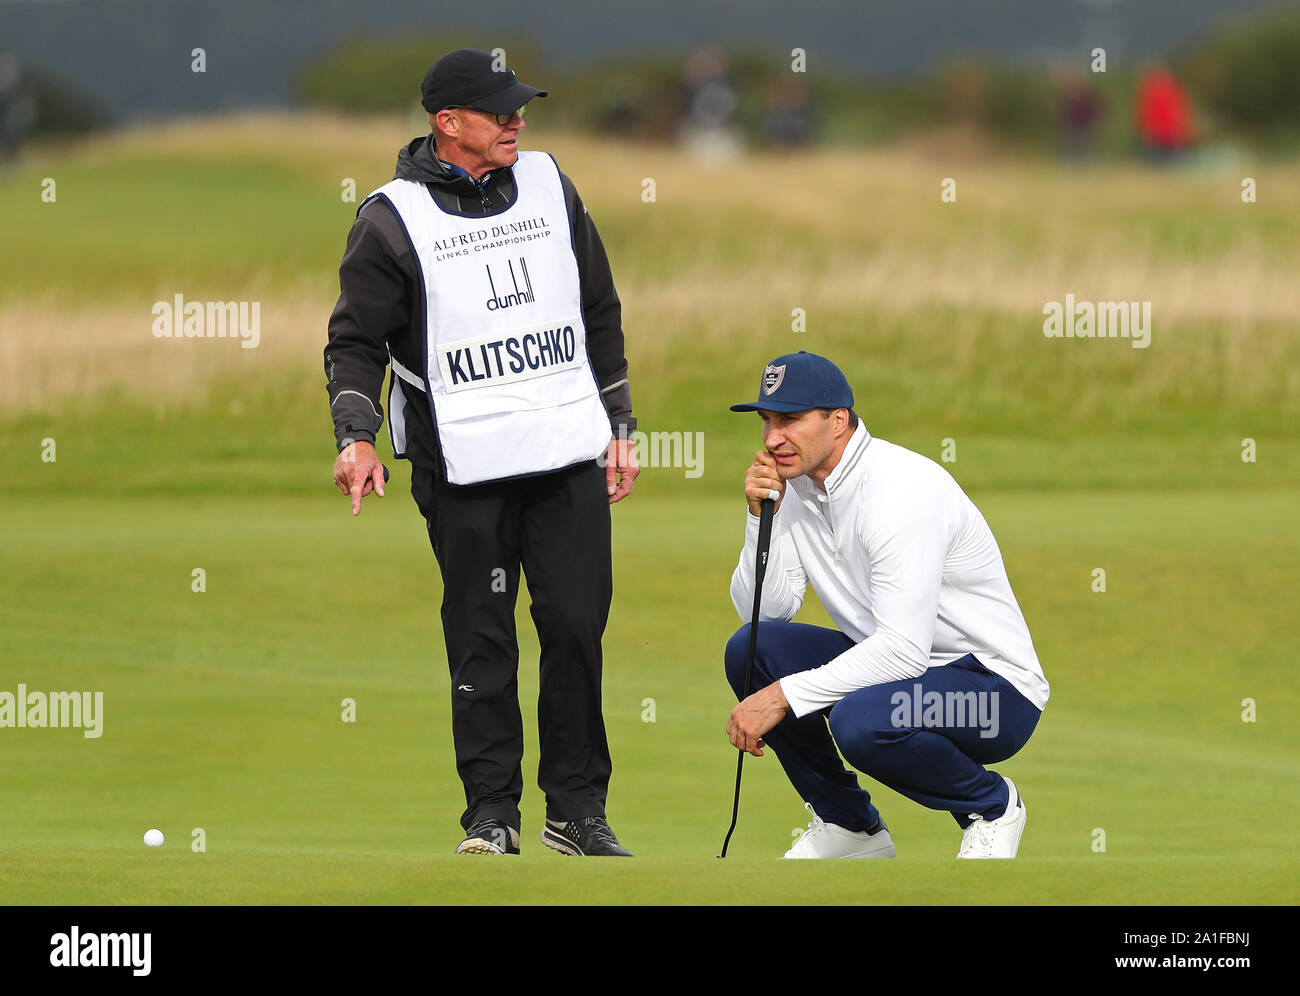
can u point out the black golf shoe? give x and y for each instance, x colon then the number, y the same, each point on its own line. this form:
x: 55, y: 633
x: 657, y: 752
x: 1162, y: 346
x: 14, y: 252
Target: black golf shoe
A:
x: 490, y: 837
x: 590, y: 836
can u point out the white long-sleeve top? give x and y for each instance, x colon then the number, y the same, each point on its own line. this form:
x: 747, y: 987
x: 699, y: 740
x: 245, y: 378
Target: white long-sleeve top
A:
x: 905, y: 565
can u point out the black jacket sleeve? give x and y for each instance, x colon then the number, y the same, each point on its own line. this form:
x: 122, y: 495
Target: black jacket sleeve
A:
x: 602, y: 313
x: 373, y: 308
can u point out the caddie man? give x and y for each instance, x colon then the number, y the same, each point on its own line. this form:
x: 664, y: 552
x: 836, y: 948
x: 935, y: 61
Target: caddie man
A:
x: 929, y: 674
x: 478, y: 277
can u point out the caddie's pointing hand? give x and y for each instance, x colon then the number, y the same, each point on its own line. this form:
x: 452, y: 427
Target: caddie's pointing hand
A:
x: 358, y: 472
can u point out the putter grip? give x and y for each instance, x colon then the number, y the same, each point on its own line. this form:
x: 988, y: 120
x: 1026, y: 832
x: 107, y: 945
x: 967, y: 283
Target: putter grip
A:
x: 765, y: 512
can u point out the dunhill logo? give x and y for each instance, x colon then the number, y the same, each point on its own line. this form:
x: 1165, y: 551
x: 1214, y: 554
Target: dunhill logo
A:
x: 521, y: 295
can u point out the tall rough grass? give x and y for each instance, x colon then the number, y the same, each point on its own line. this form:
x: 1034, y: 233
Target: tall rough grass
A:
x: 893, y: 282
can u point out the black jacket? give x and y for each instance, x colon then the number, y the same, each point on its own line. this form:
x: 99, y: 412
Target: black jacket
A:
x: 379, y: 306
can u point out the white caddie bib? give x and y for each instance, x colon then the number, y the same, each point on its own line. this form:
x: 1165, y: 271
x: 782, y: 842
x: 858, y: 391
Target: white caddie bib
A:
x: 506, y: 369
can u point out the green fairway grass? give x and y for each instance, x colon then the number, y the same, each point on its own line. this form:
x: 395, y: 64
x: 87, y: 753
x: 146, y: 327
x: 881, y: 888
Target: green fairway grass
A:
x: 223, y: 708
x: 222, y: 711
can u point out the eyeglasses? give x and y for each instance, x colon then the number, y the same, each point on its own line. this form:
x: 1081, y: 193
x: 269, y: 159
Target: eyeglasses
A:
x: 501, y: 119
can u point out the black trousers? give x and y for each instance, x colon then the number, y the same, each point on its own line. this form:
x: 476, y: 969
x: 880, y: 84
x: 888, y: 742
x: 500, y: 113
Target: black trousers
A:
x: 557, y: 528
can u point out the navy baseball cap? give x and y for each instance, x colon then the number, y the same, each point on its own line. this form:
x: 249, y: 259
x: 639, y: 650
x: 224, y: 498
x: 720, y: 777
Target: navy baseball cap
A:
x: 799, y: 381
x: 466, y: 78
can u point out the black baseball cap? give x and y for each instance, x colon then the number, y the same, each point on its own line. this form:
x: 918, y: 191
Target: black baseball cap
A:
x: 466, y: 78
x: 799, y: 381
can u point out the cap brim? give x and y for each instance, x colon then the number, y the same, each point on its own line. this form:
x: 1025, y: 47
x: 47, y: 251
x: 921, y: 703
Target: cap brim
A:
x: 513, y: 97
x: 772, y: 406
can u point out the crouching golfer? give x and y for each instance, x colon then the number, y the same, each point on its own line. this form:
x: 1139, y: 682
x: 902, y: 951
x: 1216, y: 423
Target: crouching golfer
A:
x: 930, y: 673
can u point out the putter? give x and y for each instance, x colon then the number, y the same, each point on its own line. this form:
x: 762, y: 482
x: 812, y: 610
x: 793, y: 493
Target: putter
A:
x: 760, y: 569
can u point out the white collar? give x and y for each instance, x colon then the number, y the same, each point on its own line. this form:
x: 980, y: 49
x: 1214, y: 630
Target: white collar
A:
x: 850, y: 460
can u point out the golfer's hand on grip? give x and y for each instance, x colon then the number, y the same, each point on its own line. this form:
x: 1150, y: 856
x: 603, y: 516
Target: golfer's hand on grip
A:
x: 358, y: 472
x: 760, y: 480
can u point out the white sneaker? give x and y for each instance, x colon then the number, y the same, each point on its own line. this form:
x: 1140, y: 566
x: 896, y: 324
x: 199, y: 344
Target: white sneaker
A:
x: 998, y: 838
x: 826, y: 840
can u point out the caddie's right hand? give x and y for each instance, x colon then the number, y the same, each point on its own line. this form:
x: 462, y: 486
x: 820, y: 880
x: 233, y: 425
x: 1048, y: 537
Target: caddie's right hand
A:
x: 761, y: 480
x: 358, y: 472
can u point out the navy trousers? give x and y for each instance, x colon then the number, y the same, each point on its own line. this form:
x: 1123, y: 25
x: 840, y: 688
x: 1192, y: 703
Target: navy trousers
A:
x: 927, y: 738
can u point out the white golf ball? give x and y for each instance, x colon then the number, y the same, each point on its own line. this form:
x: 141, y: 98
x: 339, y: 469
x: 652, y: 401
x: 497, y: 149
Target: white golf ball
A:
x: 153, y: 838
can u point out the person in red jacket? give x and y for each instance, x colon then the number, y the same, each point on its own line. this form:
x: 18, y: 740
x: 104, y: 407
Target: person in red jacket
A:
x: 1164, y: 114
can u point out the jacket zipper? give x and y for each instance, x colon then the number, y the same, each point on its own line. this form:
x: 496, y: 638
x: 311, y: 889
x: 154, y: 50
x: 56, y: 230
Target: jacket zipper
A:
x: 830, y: 518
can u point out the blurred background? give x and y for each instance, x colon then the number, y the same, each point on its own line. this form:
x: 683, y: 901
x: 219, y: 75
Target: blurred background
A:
x: 902, y: 187
x: 1177, y: 73
x: 1120, y: 144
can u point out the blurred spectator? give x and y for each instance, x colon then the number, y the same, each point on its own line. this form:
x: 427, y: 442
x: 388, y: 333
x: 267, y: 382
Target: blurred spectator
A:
x: 1080, y: 107
x: 707, y: 127
x: 17, y: 106
x: 620, y: 107
x: 786, y: 117
x: 1164, y: 114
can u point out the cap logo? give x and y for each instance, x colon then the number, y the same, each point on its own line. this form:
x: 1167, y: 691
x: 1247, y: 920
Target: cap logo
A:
x: 772, y: 377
